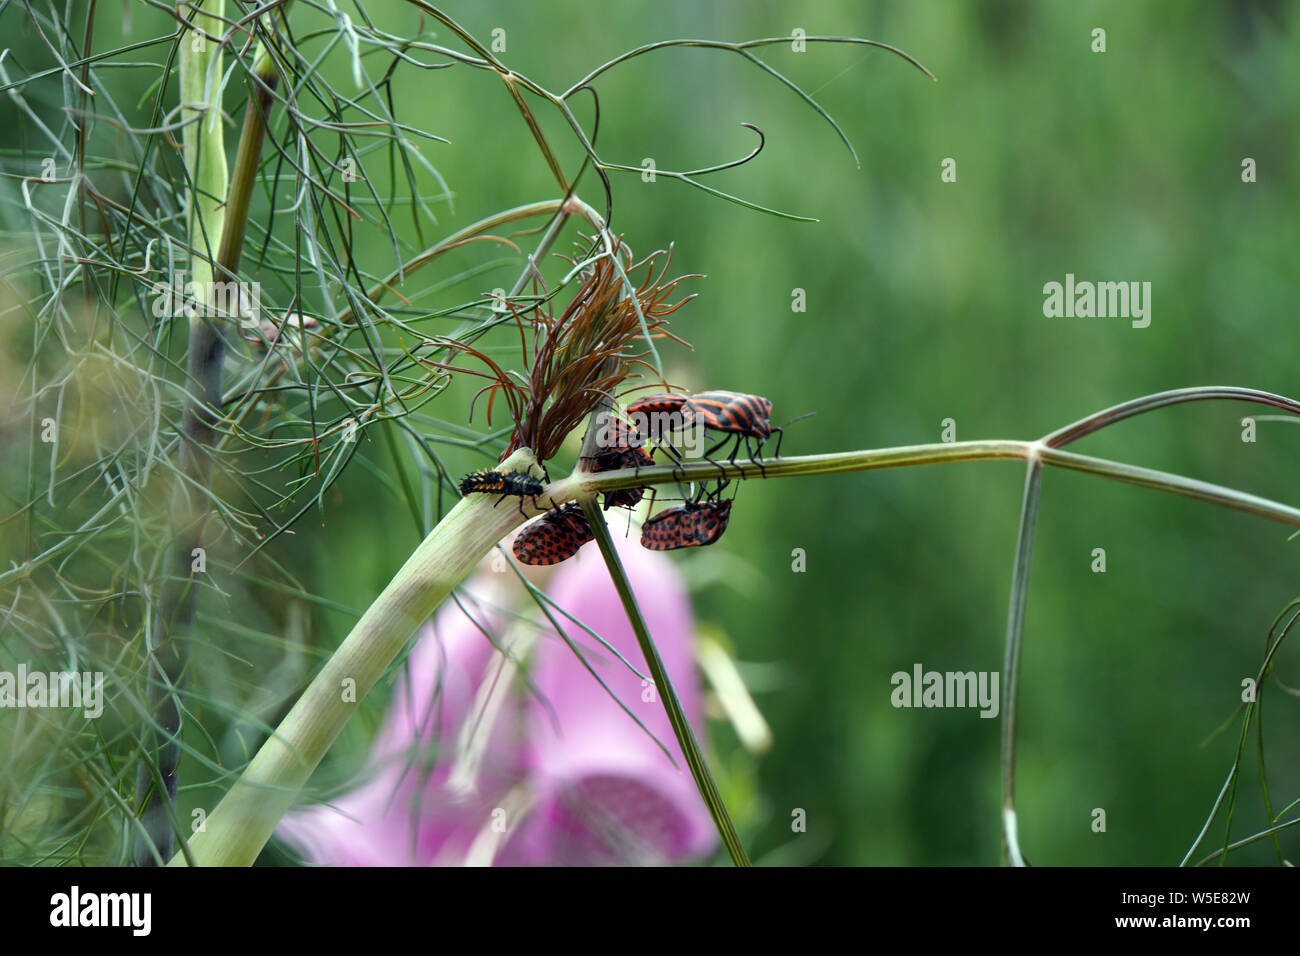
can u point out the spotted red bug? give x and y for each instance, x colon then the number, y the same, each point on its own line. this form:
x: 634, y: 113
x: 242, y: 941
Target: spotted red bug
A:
x: 555, y: 536
x: 691, y: 525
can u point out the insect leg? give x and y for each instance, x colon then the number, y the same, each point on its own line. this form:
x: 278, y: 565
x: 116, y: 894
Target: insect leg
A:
x: 722, y: 472
x: 756, y: 454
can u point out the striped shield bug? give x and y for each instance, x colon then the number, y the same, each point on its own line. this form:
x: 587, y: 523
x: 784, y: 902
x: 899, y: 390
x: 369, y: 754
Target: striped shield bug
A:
x: 736, y: 413
x: 733, y: 412
x: 649, y: 404
x: 656, y: 417
x: 613, y: 459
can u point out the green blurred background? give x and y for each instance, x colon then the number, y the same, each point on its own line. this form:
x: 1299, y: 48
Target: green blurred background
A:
x: 924, y: 302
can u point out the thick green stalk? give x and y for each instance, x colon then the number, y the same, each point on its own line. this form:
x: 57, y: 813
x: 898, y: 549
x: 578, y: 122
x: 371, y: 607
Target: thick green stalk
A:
x: 203, y: 138
x: 246, y: 817
x: 203, y: 143
x: 227, y: 221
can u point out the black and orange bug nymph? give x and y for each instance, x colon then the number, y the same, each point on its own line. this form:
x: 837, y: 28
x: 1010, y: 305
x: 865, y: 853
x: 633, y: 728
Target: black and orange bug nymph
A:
x: 503, y: 483
x: 557, y: 535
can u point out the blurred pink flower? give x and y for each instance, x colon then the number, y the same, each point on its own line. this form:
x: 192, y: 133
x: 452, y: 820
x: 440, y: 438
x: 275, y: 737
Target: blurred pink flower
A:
x: 475, y: 765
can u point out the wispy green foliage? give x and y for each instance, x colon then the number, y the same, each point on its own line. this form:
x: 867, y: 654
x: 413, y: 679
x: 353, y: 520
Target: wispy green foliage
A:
x: 341, y: 382
x: 161, y: 436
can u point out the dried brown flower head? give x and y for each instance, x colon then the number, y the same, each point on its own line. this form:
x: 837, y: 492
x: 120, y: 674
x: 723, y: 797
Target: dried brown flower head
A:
x: 578, y: 359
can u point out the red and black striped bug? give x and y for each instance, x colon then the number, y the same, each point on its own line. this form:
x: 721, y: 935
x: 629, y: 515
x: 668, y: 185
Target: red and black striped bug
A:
x: 504, y: 483
x: 557, y: 535
x: 736, y: 413
x: 649, y: 404
x: 691, y: 525
x: 661, y: 403
x: 615, y: 458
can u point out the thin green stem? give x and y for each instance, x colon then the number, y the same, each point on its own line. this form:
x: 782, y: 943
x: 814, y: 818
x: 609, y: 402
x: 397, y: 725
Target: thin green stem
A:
x: 1271, y: 831
x: 547, y: 207
x: 936, y: 454
x: 1011, y: 663
x: 262, y: 85
x: 1250, y: 709
x: 659, y: 674
x: 1020, y: 576
x: 1149, y: 403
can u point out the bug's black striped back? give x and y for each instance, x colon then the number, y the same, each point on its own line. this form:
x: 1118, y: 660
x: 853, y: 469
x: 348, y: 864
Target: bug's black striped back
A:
x: 734, y: 412
x: 649, y: 404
